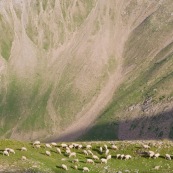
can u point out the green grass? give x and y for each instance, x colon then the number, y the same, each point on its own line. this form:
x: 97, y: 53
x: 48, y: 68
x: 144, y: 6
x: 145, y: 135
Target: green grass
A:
x: 132, y: 92
x: 5, y: 39
x: 37, y: 161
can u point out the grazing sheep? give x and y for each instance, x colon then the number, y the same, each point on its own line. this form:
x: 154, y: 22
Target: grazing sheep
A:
x: 75, y: 167
x: 37, y: 146
x: 88, y: 147
x: 80, y: 146
x: 11, y: 151
x: 122, y: 156
x: 48, y: 153
x: 64, y: 167
x: 7, y: 149
x: 151, y: 154
x: 101, y: 149
x: 85, y: 169
x: 48, y: 145
x: 36, y: 143
x: 64, y: 145
x: 67, y: 148
x: 85, y: 152
x: 104, y: 160
x: 106, y: 147
x: 58, y: 150
x: 73, y: 154
x: 107, y: 152
x: 157, y: 167
x: 95, y: 157
x: 75, y: 145
x: 90, y: 152
x: 23, y: 158
x: 156, y: 155
x: 54, y: 144
x: 146, y: 146
x: 63, y: 159
x: 118, y: 156
x: 114, y: 147
x: 127, y: 157
x: 71, y: 146
x: 23, y: 149
x: 90, y: 161
x: 167, y: 156
x: 68, y: 151
x: 75, y: 160
x: 5, y: 153
x: 109, y: 157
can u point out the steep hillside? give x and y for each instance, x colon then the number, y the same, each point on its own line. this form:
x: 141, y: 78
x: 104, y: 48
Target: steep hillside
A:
x: 56, y: 56
x: 142, y: 106
x: 62, y: 62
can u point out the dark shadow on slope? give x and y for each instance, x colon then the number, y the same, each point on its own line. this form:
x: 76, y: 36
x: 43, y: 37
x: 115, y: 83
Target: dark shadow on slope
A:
x: 159, y: 126
x: 151, y: 127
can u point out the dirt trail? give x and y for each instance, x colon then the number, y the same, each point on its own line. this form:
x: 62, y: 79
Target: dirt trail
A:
x: 83, y: 124
x: 91, y: 112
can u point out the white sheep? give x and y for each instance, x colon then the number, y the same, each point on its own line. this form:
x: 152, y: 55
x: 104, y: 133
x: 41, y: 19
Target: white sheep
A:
x: 167, y: 156
x: 64, y: 145
x: 85, y: 169
x: 36, y: 143
x: 64, y: 167
x: 75, y: 145
x: 5, y: 153
x: 68, y: 151
x: 7, y: 149
x: 67, y: 148
x: 90, y: 161
x: 80, y: 146
x: 109, y: 157
x: 48, y: 145
x: 23, y: 149
x: 114, y: 147
x: 73, y: 154
x: 156, y: 155
x: 151, y: 154
x: 104, y: 160
x: 106, y: 147
x: 122, y: 156
x: 54, y: 144
x: 107, y: 152
x: 157, y: 167
x: 71, y: 146
x: 58, y: 150
x: 85, y: 152
x: 37, y: 146
x: 23, y: 158
x: 146, y: 146
x: 88, y: 146
x: 75, y: 160
x: 101, y: 149
x: 75, y: 167
x: 11, y: 151
x: 48, y: 153
x: 118, y: 156
x: 90, y: 152
x: 95, y: 157
x: 127, y: 157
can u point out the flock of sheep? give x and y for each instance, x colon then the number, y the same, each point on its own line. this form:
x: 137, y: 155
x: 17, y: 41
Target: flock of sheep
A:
x: 103, y: 155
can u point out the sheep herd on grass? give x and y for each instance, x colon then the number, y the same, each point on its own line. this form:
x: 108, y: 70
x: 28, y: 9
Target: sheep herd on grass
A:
x: 103, y: 155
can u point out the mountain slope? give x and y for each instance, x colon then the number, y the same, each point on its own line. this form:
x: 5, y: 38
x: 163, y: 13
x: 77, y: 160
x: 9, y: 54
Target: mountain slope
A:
x: 56, y: 65
x: 62, y: 61
x: 142, y: 106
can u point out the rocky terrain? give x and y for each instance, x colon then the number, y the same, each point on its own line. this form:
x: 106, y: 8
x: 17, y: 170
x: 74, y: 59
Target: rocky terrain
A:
x: 97, y: 69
